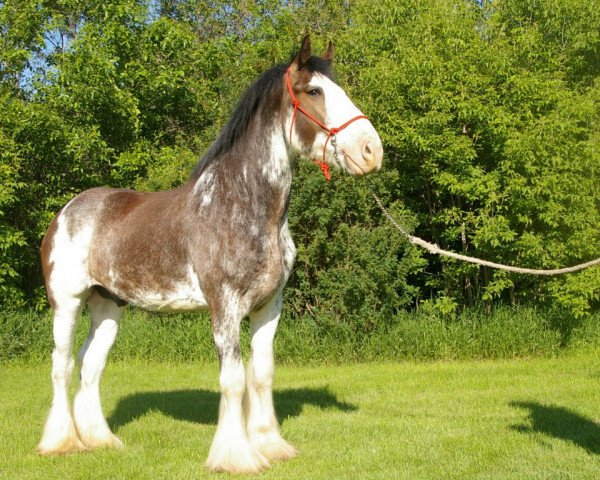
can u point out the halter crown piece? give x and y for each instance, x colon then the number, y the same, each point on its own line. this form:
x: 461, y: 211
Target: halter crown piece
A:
x: 332, y: 131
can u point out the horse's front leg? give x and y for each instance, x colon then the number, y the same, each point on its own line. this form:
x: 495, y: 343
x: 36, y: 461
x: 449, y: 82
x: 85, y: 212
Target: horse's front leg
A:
x: 261, y: 422
x: 231, y: 449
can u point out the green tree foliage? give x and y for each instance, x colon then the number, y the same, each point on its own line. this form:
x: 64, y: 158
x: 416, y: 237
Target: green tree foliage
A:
x: 489, y: 113
x: 495, y: 134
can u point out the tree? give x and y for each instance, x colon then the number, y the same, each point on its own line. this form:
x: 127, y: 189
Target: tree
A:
x: 488, y: 112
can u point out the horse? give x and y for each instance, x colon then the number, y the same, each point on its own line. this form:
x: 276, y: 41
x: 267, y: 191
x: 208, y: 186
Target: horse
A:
x: 219, y: 242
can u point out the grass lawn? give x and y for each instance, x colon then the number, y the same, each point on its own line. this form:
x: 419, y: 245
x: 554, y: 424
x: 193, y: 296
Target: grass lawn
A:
x: 521, y: 419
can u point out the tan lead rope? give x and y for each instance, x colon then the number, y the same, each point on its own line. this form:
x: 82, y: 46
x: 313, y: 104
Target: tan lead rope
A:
x: 436, y: 250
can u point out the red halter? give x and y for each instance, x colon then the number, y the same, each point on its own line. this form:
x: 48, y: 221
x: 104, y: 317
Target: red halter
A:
x: 332, y: 131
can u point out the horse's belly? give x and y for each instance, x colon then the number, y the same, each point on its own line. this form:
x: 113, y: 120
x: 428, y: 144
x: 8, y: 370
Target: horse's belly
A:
x: 178, y: 301
x: 184, y: 294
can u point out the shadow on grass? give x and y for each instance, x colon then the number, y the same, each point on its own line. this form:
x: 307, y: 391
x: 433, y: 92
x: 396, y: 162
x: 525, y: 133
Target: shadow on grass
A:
x: 561, y: 423
x: 201, y: 406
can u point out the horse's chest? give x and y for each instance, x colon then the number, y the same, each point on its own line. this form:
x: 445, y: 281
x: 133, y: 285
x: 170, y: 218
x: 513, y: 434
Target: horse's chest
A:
x: 254, y: 265
x: 254, y: 257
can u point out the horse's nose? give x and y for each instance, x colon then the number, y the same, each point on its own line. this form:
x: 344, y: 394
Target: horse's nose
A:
x: 372, y: 152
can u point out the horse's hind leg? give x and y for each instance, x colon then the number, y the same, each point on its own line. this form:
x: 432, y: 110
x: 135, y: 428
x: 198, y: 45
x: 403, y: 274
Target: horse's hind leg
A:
x: 261, y: 422
x: 87, y: 410
x: 60, y: 435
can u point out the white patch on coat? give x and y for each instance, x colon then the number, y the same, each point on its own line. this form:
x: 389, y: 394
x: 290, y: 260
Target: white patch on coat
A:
x: 338, y: 107
x: 69, y: 258
x: 112, y: 276
x: 276, y: 168
x: 292, y: 142
x: 254, y: 231
x: 288, y: 249
x: 185, y: 296
x: 234, y: 306
x: 205, y: 187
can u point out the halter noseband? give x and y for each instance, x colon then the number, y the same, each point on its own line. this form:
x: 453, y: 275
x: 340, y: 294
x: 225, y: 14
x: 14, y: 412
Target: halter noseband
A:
x: 332, y: 131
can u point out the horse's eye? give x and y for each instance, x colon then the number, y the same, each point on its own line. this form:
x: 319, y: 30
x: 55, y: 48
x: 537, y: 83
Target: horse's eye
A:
x: 314, y: 92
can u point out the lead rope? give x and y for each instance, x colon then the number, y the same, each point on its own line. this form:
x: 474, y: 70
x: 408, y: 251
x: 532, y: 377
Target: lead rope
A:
x: 436, y: 250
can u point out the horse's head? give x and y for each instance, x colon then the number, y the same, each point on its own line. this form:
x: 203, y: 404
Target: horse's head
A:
x: 323, y: 122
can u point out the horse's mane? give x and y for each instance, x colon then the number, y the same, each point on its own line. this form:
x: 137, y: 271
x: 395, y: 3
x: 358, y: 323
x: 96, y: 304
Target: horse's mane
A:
x: 267, y: 85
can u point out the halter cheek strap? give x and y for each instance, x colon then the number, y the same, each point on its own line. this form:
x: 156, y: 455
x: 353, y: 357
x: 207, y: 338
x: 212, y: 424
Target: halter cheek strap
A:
x: 332, y: 131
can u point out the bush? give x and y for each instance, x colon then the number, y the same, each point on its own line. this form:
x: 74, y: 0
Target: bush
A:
x: 472, y: 334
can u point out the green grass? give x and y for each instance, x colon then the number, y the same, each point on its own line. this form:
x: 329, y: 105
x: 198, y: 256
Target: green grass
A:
x: 501, y: 419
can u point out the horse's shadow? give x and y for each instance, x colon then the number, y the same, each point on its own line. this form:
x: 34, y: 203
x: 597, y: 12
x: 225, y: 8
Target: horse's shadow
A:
x: 561, y: 423
x: 201, y: 406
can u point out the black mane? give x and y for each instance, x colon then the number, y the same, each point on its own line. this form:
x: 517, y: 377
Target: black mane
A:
x: 269, y: 83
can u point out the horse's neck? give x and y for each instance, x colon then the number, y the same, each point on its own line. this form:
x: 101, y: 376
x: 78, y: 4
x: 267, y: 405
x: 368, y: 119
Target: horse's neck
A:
x: 268, y: 173
x: 256, y: 174
x: 272, y: 162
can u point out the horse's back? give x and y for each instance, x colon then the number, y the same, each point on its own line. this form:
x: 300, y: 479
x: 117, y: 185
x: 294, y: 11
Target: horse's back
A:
x: 84, y: 216
x: 102, y: 206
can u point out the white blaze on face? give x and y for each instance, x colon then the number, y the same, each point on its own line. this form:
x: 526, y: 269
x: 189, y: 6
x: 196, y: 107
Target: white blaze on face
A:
x: 359, y: 141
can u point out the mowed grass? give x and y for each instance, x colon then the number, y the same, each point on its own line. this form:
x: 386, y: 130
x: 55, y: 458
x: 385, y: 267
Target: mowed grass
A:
x: 503, y: 419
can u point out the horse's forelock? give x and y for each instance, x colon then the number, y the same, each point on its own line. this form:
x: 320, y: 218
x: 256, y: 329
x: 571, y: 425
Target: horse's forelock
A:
x: 320, y: 65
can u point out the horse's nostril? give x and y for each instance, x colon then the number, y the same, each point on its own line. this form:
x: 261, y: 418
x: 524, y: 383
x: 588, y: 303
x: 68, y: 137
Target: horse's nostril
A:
x: 367, y: 152
x: 372, y: 153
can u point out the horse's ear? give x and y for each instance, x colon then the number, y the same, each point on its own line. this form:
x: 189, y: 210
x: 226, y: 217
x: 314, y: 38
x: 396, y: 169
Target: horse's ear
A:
x: 304, y: 53
x: 328, y: 55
